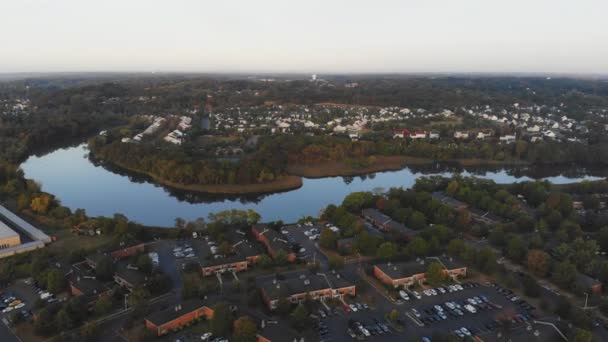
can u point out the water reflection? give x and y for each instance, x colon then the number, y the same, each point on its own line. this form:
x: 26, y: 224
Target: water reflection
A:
x: 80, y: 182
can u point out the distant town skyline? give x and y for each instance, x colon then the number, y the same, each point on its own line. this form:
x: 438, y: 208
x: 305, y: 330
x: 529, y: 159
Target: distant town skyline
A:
x: 316, y: 37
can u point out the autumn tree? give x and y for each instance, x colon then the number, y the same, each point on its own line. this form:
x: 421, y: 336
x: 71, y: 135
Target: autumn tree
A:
x: 538, y: 262
x: 41, y: 204
x: 393, y: 316
x: 245, y: 330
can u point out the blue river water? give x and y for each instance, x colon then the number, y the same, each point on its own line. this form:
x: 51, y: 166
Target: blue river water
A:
x: 78, y: 182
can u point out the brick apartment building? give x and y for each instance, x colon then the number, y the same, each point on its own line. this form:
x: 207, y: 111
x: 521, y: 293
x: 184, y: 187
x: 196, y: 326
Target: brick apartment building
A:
x: 243, y: 254
x: 297, y: 286
x: 274, y: 241
x: 409, y: 273
x: 172, y: 319
x: 387, y: 224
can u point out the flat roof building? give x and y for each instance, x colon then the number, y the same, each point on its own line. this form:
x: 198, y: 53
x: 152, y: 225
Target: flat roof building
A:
x: 408, y: 273
x: 8, y: 237
x: 297, y: 286
x: 174, y: 318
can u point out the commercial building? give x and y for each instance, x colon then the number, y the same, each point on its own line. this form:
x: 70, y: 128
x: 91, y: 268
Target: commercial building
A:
x: 31, y: 231
x: 8, y: 237
x: 10, y: 240
x: 299, y: 285
x: 412, y: 272
x: 172, y: 319
x: 274, y: 241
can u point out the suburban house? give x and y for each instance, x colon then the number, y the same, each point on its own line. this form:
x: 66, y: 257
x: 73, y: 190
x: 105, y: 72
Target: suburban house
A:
x: 172, y: 319
x: 412, y: 272
x: 274, y: 241
x: 385, y: 223
x: 297, y: 286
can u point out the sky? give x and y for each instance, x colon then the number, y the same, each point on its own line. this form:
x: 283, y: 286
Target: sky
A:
x: 311, y: 36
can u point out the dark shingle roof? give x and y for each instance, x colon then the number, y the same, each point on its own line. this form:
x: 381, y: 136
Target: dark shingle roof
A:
x: 405, y: 269
x: 165, y: 316
x: 130, y: 275
x: 298, y: 282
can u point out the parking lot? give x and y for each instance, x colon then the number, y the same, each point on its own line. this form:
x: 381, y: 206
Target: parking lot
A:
x: 421, y: 317
x: 473, y: 310
x: 18, y: 298
x: 304, y: 235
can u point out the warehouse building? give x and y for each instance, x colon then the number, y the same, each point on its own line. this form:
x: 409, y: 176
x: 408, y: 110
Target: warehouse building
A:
x: 8, y: 237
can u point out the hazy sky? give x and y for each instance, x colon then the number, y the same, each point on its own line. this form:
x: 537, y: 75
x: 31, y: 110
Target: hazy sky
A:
x: 313, y: 36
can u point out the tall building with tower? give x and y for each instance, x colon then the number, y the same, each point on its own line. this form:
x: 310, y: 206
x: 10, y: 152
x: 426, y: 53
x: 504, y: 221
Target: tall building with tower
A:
x: 314, y: 77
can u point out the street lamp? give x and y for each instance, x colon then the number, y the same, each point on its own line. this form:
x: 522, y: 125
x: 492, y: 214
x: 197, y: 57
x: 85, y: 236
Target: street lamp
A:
x: 586, y: 299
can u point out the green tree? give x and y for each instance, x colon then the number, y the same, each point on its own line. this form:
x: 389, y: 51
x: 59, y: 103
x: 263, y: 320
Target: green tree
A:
x: 417, y: 220
x: 55, y: 281
x: 386, y: 250
x: 455, y: 247
x: 103, y: 306
x: 139, y: 299
x: 328, y: 239
x: 63, y: 320
x: 565, y: 274
x: 245, y: 330
x: 221, y: 321
x: 336, y: 262
x: 582, y: 335
x: 356, y: 201
x: 434, y: 273
x: 418, y: 247
x: 144, y: 263
x: 516, y: 249
x: 299, y: 317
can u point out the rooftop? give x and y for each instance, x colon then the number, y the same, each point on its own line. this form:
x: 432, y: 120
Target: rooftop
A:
x: 6, y: 231
x: 130, y: 274
x: 397, y: 270
x: 87, y: 284
x: 165, y: 316
x: 297, y: 282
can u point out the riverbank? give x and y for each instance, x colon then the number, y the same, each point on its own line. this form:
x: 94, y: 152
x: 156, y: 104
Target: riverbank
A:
x: 295, y: 172
x: 284, y: 183
x: 343, y: 168
x: 385, y: 163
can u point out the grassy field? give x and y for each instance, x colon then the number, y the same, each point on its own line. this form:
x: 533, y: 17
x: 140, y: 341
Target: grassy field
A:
x: 342, y: 168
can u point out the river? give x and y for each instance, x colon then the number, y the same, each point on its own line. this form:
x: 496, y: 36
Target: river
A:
x: 78, y: 182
